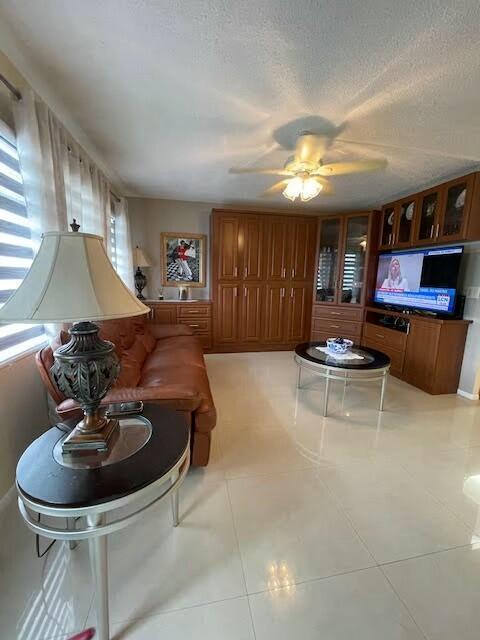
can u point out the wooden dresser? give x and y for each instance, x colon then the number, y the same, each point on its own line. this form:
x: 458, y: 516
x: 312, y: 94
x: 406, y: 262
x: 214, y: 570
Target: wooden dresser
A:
x: 197, y: 314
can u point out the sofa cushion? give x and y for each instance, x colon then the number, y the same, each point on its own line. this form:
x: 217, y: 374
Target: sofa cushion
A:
x: 148, y: 341
x: 131, y: 364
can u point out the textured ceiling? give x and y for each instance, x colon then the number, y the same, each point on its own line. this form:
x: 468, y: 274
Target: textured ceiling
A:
x: 176, y: 92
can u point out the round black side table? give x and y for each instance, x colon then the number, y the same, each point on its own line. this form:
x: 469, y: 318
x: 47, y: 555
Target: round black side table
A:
x: 154, y: 471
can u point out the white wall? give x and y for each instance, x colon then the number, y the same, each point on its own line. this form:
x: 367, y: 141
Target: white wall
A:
x: 23, y: 414
x: 149, y: 217
x: 470, y: 277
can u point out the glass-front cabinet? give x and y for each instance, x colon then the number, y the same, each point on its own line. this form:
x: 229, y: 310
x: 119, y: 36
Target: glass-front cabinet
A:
x: 341, y: 262
x: 403, y: 233
x: 429, y: 207
x: 387, y: 226
x: 453, y: 221
x: 327, y: 268
x: 354, y: 260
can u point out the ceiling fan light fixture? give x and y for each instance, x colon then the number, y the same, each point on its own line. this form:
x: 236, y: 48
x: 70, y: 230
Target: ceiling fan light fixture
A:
x: 293, y: 189
x: 311, y: 189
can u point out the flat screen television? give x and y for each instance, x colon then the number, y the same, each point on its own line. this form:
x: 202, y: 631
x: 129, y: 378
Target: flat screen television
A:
x: 421, y: 279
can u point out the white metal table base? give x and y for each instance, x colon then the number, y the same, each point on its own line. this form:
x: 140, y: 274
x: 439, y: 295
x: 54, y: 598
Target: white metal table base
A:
x: 97, y: 527
x: 332, y: 373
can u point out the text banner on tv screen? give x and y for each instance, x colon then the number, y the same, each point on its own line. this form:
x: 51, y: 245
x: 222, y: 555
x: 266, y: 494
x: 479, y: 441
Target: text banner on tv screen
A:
x: 420, y: 279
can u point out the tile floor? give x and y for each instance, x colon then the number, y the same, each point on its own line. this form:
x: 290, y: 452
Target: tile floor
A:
x: 360, y: 525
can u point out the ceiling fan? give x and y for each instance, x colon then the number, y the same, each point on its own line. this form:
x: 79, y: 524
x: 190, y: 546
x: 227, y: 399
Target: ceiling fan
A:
x: 305, y: 175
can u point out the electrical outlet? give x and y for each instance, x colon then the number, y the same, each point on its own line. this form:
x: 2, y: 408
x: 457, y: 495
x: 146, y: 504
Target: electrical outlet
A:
x: 473, y: 292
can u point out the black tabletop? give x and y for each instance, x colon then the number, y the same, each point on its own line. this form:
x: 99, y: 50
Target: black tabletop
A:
x: 47, y: 482
x: 372, y: 359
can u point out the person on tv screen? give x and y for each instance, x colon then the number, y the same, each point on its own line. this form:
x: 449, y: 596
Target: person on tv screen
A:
x: 395, y: 280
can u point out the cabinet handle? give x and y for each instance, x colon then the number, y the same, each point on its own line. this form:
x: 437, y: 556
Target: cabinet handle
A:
x: 389, y: 238
x: 189, y: 311
x: 235, y: 292
x: 293, y: 273
x: 437, y: 230
x: 431, y: 230
x: 235, y: 272
x: 284, y: 273
x: 193, y: 325
x: 245, y: 292
x: 334, y: 326
x: 291, y: 292
x: 282, y: 292
x: 245, y: 272
x: 379, y: 335
x: 334, y: 313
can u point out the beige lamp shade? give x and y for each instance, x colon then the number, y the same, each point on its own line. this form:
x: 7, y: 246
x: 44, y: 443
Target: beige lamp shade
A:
x: 141, y: 259
x: 71, y: 279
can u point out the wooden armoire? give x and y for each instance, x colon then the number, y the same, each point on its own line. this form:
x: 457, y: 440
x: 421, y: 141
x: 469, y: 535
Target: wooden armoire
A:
x: 262, y: 279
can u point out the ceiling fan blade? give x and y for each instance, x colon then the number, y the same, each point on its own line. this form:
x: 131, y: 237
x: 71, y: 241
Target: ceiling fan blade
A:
x: 278, y: 187
x: 274, y: 172
x: 341, y: 168
x: 310, y: 147
x: 327, y: 189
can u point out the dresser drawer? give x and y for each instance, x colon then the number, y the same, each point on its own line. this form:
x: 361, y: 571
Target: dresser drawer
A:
x: 337, y: 313
x: 194, y: 310
x: 320, y: 336
x: 199, y: 325
x: 396, y: 356
x: 385, y: 336
x: 337, y: 327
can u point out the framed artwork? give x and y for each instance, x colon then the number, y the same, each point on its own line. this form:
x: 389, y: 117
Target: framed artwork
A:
x: 182, y: 259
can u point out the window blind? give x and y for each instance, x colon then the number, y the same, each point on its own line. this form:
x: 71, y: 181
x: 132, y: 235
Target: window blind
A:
x: 16, y: 249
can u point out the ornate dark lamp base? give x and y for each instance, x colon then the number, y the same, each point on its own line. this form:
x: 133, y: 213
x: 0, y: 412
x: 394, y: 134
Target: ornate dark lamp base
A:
x: 140, y: 283
x: 84, y: 369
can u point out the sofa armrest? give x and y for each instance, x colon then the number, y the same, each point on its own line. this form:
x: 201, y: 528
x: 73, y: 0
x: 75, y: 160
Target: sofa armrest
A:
x: 174, y: 396
x: 160, y: 331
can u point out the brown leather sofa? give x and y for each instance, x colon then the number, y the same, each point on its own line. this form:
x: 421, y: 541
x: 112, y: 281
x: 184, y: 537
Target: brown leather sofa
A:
x: 159, y: 363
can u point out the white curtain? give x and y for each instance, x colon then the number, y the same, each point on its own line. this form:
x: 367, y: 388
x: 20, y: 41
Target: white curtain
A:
x: 40, y: 149
x: 123, y: 243
x: 60, y: 180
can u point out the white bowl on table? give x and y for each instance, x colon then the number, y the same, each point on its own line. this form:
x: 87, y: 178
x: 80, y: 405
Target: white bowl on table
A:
x: 339, y: 347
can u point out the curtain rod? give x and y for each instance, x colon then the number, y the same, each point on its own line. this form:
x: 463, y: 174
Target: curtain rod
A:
x: 10, y: 87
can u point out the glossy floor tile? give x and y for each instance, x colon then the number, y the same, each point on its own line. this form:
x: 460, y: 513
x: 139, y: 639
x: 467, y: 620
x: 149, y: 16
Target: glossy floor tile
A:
x: 358, y: 525
x: 359, y: 605
x: 304, y: 533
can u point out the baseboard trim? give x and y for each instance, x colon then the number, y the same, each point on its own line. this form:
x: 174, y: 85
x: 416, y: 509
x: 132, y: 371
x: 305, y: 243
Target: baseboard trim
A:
x: 465, y: 394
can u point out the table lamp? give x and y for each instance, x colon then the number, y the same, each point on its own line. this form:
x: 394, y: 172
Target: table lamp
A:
x: 71, y: 279
x: 140, y: 278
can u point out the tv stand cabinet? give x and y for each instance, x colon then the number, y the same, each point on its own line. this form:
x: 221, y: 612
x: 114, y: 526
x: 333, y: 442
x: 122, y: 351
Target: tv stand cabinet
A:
x: 426, y: 352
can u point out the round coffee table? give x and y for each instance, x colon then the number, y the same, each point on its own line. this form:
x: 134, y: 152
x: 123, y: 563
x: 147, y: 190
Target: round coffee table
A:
x: 373, y: 366
x: 94, y: 486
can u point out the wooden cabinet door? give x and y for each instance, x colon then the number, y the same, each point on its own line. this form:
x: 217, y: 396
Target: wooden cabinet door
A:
x: 302, y: 239
x: 251, y: 312
x: 277, y: 247
x: 226, y: 313
x: 421, y: 353
x: 253, y: 247
x: 226, y: 247
x: 457, y: 200
x: 406, y: 213
x: 387, y: 226
x: 428, y: 214
x: 274, y: 314
x: 298, y: 312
